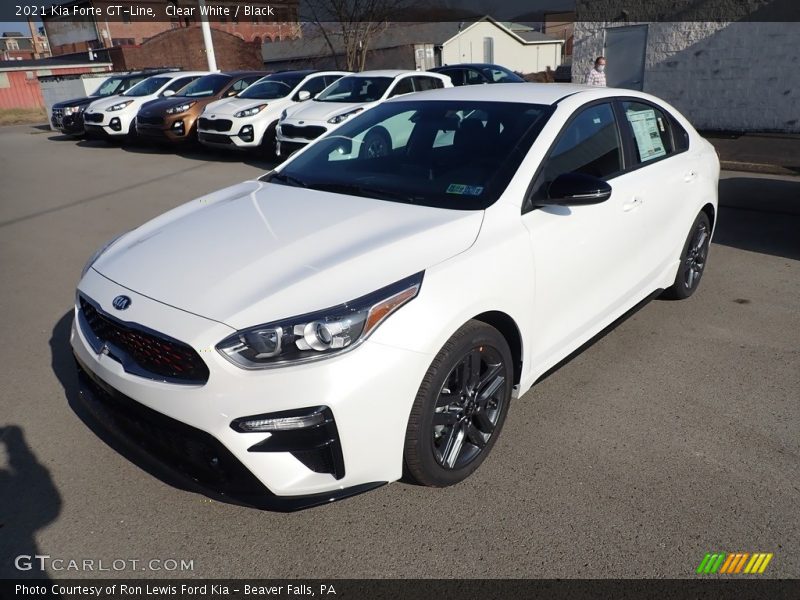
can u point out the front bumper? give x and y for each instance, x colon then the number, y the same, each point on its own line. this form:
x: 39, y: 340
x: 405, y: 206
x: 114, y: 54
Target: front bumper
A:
x: 107, y: 124
x: 68, y: 124
x: 368, y: 391
x: 230, y: 133
x: 178, y: 129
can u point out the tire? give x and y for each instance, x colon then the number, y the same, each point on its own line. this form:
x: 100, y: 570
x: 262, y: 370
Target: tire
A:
x: 268, y: 142
x: 470, y: 417
x: 693, y: 260
x: 377, y: 143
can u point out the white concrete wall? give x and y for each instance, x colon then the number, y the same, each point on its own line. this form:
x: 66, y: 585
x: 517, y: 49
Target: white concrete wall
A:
x: 508, y: 51
x: 742, y: 76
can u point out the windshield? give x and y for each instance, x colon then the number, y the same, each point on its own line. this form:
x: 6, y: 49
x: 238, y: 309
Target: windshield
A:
x: 271, y: 88
x: 108, y: 87
x: 355, y: 89
x: 501, y: 75
x: 448, y: 154
x: 208, y: 85
x: 147, y: 87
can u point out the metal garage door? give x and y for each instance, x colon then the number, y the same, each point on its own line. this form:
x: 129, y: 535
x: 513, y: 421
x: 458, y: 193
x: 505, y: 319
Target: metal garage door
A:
x: 624, y: 51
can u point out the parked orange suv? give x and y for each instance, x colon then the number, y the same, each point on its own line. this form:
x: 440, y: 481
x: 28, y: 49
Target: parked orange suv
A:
x: 173, y: 119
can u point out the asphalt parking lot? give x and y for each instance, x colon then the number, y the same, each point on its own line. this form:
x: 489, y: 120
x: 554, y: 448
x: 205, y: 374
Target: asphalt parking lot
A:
x: 674, y: 435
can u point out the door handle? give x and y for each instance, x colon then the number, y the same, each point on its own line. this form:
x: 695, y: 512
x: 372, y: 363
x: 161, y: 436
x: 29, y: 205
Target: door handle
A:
x: 629, y: 206
x: 690, y: 176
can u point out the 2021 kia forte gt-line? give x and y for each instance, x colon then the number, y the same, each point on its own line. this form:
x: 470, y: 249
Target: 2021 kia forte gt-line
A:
x: 367, y: 311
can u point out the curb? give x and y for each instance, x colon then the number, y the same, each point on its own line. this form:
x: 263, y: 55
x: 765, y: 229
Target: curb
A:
x: 749, y: 167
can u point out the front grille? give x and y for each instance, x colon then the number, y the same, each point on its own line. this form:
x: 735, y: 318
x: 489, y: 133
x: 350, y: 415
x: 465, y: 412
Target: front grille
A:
x: 149, y: 119
x: 182, y: 447
x: 310, y: 132
x: 215, y: 124
x: 93, y: 117
x: 214, y: 138
x: 142, y: 352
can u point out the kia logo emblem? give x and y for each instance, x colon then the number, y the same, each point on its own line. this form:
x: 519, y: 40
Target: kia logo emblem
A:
x: 121, y: 302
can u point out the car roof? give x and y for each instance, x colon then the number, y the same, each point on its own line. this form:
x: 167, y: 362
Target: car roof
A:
x: 531, y: 93
x: 476, y: 65
x: 385, y: 73
x: 243, y: 73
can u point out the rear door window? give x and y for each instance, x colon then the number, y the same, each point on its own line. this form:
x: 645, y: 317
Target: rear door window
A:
x: 422, y: 83
x: 651, y: 130
x: 404, y: 86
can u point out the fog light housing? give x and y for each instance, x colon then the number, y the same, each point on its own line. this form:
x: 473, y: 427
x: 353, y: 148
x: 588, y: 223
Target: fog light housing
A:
x: 309, y: 434
x: 115, y: 124
x: 178, y: 127
x: 246, y: 133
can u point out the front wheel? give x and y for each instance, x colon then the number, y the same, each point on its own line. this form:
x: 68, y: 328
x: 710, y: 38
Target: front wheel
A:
x: 460, y: 407
x: 693, y: 260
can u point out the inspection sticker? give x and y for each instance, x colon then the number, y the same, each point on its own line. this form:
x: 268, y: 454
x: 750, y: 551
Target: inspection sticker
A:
x: 464, y: 190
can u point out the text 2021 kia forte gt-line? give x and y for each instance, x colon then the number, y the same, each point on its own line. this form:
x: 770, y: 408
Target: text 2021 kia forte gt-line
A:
x: 369, y: 310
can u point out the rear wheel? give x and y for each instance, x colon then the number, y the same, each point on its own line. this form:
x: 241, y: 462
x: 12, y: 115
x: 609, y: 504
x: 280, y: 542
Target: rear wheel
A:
x: 460, y: 407
x: 693, y: 260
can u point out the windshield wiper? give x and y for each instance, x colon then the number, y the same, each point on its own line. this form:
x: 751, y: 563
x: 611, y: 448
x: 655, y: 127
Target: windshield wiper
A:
x: 360, y: 190
x: 287, y: 179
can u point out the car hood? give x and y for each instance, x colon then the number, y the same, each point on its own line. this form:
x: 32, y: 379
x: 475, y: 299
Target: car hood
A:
x: 229, y: 106
x: 257, y: 251
x: 76, y: 101
x: 159, y: 106
x: 322, y: 111
x: 104, y: 103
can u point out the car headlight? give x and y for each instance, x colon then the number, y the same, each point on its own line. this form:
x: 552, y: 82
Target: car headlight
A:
x: 339, y: 118
x: 181, y: 108
x: 73, y: 110
x: 320, y: 334
x: 98, y: 253
x: 119, y: 106
x: 249, y: 112
x: 283, y: 115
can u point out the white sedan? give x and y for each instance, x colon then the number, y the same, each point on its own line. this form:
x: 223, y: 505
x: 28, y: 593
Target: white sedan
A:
x: 349, y: 96
x: 113, y: 117
x: 247, y: 121
x: 353, y: 316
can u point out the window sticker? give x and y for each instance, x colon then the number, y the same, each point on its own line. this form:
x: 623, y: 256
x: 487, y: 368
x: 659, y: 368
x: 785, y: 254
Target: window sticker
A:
x: 464, y: 190
x: 645, y: 130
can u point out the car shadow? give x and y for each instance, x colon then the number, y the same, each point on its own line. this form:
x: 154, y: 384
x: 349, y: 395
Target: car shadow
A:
x: 29, y: 501
x: 759, y: 214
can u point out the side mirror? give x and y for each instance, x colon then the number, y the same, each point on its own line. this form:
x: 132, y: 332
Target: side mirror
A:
x: 303, y: 95
x: 231, y: 93
x: 577, y: 189
x: 168, y: 93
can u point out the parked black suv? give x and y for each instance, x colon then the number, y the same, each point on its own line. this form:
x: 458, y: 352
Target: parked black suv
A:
x: 67, y: 116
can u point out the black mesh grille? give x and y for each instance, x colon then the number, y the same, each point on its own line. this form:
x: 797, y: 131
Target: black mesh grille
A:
x: 149, y: 119
x: 215, y: 124
x: 177, y: 445
x: 93, y: 117
x: 311, y: 132
x: 159, y: 356
x: 214, y: 138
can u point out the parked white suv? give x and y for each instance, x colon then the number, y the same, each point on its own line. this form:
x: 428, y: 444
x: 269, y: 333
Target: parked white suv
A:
x: 248, y: 119
x: 114, y: 116
x: 347, y: 97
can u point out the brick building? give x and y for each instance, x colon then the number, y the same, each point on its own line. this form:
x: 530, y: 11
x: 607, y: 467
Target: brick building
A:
x: 70, y: 34
x: 16, y: 46
x: 736, y: 75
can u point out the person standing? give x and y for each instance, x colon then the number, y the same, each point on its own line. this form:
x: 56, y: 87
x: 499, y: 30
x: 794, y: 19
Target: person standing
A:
x: 596, y: 76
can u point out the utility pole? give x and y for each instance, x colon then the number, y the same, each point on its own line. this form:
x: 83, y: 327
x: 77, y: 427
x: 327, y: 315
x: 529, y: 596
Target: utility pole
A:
x: 209, y: 44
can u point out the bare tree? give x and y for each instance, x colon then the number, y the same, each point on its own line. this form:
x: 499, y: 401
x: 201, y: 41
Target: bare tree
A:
x: 349, y: 26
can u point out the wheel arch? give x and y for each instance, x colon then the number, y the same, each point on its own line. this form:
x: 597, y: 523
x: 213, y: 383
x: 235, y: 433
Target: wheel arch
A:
x: 710, y: 212
x: 508, y: 328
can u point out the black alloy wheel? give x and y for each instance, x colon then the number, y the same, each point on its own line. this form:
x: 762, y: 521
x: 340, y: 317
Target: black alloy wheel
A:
x: 460, y: 408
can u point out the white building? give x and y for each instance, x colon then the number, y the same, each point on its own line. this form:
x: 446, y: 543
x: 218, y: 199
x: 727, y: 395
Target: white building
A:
x: 488, y: 41
x: 736, y: 76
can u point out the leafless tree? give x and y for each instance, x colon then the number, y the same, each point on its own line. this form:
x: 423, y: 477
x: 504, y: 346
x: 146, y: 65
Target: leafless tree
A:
x: 349, y: 26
